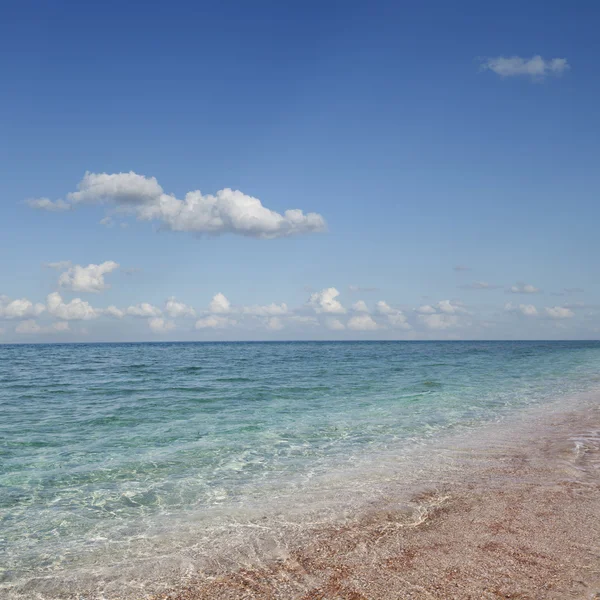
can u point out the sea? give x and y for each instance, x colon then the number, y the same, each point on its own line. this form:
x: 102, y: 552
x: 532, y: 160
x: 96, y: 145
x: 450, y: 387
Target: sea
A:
x: 126, y: 466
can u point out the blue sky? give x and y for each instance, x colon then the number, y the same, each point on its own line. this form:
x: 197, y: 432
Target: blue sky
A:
x: 414, y: 139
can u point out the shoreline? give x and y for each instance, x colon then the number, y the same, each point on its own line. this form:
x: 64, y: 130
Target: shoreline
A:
x: 523, y: 523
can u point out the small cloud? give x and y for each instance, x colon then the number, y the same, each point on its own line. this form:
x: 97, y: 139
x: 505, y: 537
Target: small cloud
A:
x: 535, y: 67
x: 60, y: 265
x: 362, y: 322
x: 47, y: 204
x: 334, y: 324
x: 219, y: 304
x: 107, y: 222
x: 460, y: 268
x: 87, y: 279
x: 527, y: 310
x: 559, y: 312
x: 360, y: 306
x: 357, y: 288
x: 214, y: 322
x: 160, y: 325
x: 479, y: 285
x: 523, y: 288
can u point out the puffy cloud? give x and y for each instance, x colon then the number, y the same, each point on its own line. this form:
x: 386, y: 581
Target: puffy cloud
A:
x: 479, y: 285
x: 439, y: 320
x: 275, y: 323
x: 219, y: 304
x: 535, y: 67
x: 303, y: 320
x: 113, y: 311
x: 360, y: 306
x: 178, y: 309
x: 266, y: 311
x: 76, y: 310
x: 325, y: 302
x: 362, y: 322
x: 450, y: 308
x: 31, y: 327
x: 426, y: 309
x: 524, y: 288
x: 394, y: 315
x: 227, y: 211
x: 559, y: 312
x: 334, y: 324
x: 144, y: 309
x: 160, y: 325
x: 529, y: 310
x: 20, y: 308
x: 87, y: 279
x: 214, y: 322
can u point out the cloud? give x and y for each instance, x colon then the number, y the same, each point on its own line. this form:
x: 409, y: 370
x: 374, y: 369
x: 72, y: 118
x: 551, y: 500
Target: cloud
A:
x: 360, y: 306
x: 325, y: 302
x: 21, y: 308
x: 303, y: 320
x: 529, y: 310
x: 144, y: 309
x: 450, y: 308
x: 426, y: 309
x: 31, y: 327
x: 60, y: 265
x: 362, y: 322
x: 523, y: 288
x: 76, y: 310
x: 160, y: 325
x: 334, y: 324
x: 178, y: 309
x: 460, y: 268
x: 358, y: 288
x: 535, y: 67
x: 479, y: 285
x: 87, y: 279
x: 394, y: 315
x: 214, y: 322
x: 266, y: 311
x: 113, y: 311
x: 227, y: 211
x: 439, y: 320
x: 275, y: 324
x: 219, y: 304
x: 559, y: 312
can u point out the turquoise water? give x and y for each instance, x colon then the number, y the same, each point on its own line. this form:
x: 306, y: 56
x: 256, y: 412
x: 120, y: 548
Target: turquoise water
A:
x: 102, y: 445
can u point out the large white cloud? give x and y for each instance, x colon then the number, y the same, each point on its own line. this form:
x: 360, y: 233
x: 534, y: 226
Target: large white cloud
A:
x: 362, y: 322
x: 160, y: 325
x: 219, y: 304
x: 177, y: 309
x: 87, y: 279
x: 75, y: 310
x: 227, y: 211
x: 326, y: 301
x: 559, y: 312
x: 394, y: 315
x: 20, y: 308
x: 535, y: 67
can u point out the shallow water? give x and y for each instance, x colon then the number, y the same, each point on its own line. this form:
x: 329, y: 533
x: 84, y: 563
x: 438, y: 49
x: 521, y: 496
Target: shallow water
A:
x: 112, y: 453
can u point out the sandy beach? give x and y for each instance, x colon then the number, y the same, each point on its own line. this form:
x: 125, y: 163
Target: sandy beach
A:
x: 521, y: 520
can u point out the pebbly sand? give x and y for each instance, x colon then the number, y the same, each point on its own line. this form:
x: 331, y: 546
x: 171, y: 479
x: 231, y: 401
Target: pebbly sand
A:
x: 519, y: 518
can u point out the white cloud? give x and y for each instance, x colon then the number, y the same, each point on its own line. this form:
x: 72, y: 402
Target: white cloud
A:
x: 439, y: 320
x: 47, y: 204
x: 227, y: 211
x: 31, y: 327
x: 325, y: 302
x: 144, y: 309
x: 394, y: 315
x: 21, y: 308
x: 559, y: 312
x: 358, y: 288
x: 529, y: 310
x: 178, y: 309
x: 160, y: 325
x: 275, y: 324
x: 219, y: 304
x: 214, y: 322
x: 524, y: 288
x: 426, y: 309
x: 360, y: 306
x: 535, y: 67
x: 76, y: 310
x: 334, y: 324
x: 113, y: 311
x: 362, y: 322
x: 267, y: 310
x: 87, y: 279
x: 60, y: 265
x: 460, y: 268
x: 479, y: 285
x: 450, y: 308
x: 302, y: 320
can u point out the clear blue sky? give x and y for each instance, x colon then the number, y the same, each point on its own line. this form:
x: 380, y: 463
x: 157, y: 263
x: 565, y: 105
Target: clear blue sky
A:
x: 394, y: 122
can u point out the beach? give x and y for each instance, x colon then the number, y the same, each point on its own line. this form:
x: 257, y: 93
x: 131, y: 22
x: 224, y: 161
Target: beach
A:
x: 302, y: 471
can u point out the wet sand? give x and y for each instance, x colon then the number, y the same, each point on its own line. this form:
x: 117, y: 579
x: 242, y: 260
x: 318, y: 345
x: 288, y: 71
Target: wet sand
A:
x: 520, y: 519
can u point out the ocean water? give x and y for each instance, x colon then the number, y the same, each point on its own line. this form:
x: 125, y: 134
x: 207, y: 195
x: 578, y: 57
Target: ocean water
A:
x: 128, y: 452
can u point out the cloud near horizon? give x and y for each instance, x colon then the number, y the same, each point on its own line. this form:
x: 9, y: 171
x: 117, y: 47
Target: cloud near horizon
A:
x: 227, y: 211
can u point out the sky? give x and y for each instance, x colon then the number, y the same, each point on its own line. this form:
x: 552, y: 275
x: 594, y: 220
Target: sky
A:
x: 277, y: 171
